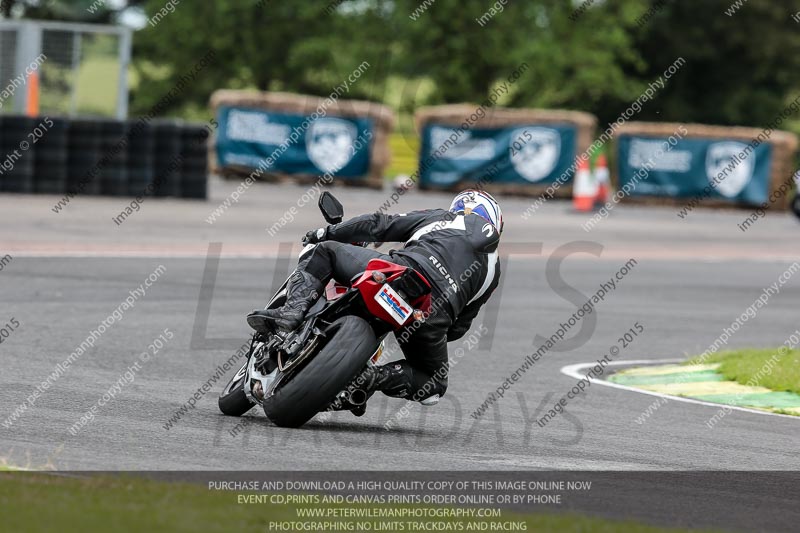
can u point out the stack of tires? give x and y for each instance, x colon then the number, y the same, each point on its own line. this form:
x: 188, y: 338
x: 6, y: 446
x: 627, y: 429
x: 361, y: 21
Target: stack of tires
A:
x: 140, y: 158
x: 113, y: 175
x: 167, y: 158
x: 109, y: 157
x: 51, y: 157
x: 194, y: 170
x: 84, y: 154
x: 16, y: 159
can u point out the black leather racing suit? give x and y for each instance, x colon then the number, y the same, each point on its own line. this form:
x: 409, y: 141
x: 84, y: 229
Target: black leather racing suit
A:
x: 456, y: 253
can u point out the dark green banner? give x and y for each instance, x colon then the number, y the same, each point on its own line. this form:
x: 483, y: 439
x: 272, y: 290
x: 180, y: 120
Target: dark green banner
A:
x: 519, y: 154
x: 734, y: 170
x: 294, y: 144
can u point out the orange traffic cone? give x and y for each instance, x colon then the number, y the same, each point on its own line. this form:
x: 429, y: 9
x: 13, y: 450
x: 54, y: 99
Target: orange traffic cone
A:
x: 32, y: 105
x: 584, y: 190
x: 602, y: 177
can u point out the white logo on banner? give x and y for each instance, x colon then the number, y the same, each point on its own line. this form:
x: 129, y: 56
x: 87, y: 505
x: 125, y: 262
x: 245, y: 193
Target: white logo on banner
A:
x: 329, y: 143
x: 536, y: 152
x: 451, y: 143
x: 658, y: 156
x: 737, y: 172
x: 255, y: 127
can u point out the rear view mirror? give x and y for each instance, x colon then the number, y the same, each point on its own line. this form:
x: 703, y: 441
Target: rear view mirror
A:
x: 331, y: 208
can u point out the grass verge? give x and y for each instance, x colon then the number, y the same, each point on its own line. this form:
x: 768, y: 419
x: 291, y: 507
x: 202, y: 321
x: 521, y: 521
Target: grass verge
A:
x: 774, y: 369
x: 45, y: 502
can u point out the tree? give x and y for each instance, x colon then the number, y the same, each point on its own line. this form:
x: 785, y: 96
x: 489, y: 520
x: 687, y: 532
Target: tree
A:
x: 68, y: 10
x: 739, y: 69
x: 259, y: 44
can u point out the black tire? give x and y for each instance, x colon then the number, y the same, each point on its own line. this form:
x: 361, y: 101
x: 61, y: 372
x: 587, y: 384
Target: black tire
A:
x: 796, y: 204
x: 233, y: 401
x: 328, y: 373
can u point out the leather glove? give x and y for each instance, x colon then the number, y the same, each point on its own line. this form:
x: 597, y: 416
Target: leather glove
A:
x: 456, y: 332
x: 315, y: 236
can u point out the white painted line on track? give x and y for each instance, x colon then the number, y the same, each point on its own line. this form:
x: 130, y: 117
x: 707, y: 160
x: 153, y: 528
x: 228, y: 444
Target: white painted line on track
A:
x: 574, y: 371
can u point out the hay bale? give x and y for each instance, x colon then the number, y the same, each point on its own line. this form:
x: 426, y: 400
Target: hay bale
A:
x: 299, y: 104
x: 500, y: 117
x: 784, y: 149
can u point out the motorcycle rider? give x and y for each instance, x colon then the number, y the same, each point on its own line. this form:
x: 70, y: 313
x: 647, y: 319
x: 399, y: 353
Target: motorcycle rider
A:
x: 456, y: 251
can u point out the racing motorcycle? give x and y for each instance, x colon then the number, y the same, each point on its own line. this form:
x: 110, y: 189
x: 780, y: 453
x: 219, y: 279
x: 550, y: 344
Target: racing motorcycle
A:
x: 318, y: 367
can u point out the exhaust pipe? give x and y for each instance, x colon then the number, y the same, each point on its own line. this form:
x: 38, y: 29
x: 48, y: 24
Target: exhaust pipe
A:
x: 358, y: 397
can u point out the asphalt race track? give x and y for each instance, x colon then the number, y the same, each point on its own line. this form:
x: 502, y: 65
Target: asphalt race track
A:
x: 71, y: 270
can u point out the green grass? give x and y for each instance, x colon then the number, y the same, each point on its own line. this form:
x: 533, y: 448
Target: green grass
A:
x: 97, y: 80
x: 405, y: 154
x: 46, y: 502
x: 40, y: 501
x: 97, y: 86
x: 743, y: 365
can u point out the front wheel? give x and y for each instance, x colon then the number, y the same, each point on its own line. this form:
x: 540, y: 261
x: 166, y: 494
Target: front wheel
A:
x: 233, y: 401
x: 330, y: 371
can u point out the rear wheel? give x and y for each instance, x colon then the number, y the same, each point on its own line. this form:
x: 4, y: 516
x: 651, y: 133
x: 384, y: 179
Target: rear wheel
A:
x: 330, y: 371
x: 796, y: 204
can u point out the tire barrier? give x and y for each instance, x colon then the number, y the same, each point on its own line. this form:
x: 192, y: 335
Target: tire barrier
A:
x: 167, y: 158
x: 83, y: 155
x: 16, y: 162
x: 194, y: 162
x: 103, y: 157
x: 51, y: 158
x: 113, y: 175
x: 140, y: 159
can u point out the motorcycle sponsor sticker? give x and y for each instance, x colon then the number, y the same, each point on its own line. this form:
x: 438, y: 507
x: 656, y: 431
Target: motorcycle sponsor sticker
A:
x: 393, y: 304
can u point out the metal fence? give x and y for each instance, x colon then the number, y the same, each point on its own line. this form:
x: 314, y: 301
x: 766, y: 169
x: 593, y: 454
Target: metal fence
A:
x: 62, y: 68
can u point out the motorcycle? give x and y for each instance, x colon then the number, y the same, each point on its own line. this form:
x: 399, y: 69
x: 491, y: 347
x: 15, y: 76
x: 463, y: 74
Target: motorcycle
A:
x: 318, y: 366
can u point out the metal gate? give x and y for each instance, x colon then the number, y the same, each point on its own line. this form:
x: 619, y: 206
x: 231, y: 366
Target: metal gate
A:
x: 63, y: 68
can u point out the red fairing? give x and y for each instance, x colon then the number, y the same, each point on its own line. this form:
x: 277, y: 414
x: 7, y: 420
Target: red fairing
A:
x: 334, y: 290
x: 382, y: 301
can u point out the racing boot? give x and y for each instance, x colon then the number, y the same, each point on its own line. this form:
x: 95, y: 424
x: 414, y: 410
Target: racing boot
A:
x: 391, y: 379
x: 302, y: 291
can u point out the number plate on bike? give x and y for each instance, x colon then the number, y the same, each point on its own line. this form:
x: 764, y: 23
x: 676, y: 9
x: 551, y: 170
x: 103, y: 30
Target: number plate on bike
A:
x: 393, y: 304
